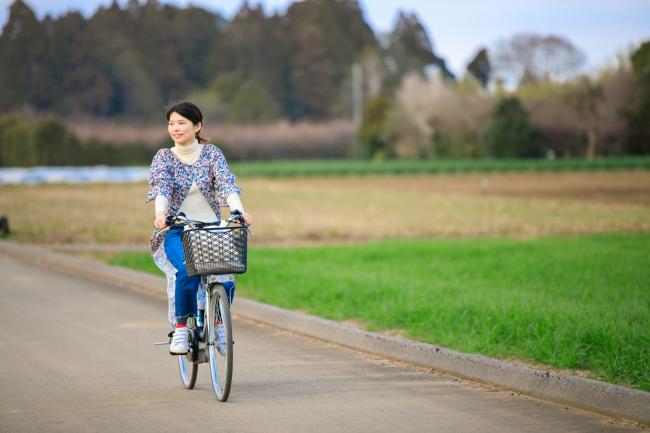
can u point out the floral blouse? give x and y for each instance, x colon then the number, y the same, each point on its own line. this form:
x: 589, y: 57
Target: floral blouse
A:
x: 172, y: 178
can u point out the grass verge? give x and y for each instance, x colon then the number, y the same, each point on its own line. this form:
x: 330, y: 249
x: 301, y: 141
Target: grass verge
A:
x: 577, y: 303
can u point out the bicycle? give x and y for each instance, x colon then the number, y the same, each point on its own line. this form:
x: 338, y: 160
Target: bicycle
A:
x: 211, y: 249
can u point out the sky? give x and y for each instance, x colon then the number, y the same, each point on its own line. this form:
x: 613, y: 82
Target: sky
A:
x: 458, y: 28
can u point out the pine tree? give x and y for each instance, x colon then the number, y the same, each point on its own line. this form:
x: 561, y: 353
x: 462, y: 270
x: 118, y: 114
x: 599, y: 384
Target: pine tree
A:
x: 24, y: 67
x: 410, y: 48
x: 480, y: 67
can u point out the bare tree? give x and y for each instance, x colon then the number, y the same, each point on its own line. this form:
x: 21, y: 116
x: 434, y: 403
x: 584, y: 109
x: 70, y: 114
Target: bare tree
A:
x: 530, y: 57
x: 583, y: 116
x: 586, y: 99
x: 432, y: 114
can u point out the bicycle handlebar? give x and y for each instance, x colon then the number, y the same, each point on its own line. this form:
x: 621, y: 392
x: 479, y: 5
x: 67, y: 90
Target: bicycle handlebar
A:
x: 181, y: 220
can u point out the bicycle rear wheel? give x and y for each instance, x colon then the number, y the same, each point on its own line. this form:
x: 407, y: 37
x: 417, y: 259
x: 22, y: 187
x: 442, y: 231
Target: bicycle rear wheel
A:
x: 218, y: 313
x: 188, y: 370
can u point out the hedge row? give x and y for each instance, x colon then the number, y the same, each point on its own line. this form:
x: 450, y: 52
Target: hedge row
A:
x: 397, y: 167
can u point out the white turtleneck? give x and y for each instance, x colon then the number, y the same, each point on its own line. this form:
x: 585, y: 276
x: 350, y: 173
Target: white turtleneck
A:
x: 188, y: 154
x: 195, y: 206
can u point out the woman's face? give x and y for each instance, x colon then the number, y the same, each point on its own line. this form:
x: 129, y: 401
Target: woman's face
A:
x: 181, y: 129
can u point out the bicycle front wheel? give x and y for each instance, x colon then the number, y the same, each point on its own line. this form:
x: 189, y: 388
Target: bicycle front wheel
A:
x: 220, y: 351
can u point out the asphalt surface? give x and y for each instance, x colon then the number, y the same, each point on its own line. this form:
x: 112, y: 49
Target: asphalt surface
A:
x: 78, y: 356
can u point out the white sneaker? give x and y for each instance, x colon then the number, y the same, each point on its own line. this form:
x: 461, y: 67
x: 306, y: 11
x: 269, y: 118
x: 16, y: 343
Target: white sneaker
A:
x: 180, y: 341
x: 222, y: 347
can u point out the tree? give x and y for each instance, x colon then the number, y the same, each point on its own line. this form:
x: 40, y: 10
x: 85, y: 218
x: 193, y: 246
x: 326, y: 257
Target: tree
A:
x: 372, y: 137
x: 509, y: 133
x: 214, y: 100
x: 132, y: 56
x: 17, y: 147
x: 638, y: 116
x: 166, y: 48
x: 582, y: 116
x: 586, y: 98
x: 78, y: 68
x: 23, y: 49
x: 27, y: 142
x: 323, y: 39
x: 480, y: 67
x: 530, y: 57
x: 250, y: 48
x: 137, y: 88
x: 54, y: 143
x: 433, y: 118
x: 253, y: 103
x: 118, y: 62
x: 410, y: 48
x: 312, y: 76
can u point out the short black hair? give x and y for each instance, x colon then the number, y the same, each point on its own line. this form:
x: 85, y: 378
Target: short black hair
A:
x: 189, y: 111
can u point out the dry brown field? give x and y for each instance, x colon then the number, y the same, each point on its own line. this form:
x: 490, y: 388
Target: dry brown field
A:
x: 294, y: 211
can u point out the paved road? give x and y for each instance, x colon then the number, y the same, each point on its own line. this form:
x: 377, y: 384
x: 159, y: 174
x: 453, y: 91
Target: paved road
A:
x: 77, y: 356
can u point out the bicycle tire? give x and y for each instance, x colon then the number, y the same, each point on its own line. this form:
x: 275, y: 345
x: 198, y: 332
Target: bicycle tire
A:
x: 187, y: 369
x: 221, y: 365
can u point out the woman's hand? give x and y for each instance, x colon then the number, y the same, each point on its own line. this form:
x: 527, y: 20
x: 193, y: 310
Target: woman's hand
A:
x: 248, y: 219
x: 159, y: 222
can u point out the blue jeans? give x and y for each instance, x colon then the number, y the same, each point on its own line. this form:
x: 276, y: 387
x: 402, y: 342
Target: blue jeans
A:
x: 186, y: 286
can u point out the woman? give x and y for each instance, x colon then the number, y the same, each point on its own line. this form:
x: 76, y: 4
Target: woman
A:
x: 192, y: 177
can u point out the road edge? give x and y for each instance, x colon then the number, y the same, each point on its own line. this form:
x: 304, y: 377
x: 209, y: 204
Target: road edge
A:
x: 578, y: 392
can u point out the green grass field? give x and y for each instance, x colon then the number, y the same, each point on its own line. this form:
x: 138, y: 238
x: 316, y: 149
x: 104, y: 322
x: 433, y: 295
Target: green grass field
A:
x: 579, y: 303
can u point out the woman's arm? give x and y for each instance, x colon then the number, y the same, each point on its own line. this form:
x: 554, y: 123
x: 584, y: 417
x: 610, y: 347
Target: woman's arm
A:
x: 224, y: 179
x: 159, y: 178
x: 228, y: 190
x: 160, y: 187
x: 234, y: 203
x: 162, y: 205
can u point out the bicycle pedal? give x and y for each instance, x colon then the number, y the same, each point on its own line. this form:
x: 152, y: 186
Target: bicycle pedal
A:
x: 162, y: 343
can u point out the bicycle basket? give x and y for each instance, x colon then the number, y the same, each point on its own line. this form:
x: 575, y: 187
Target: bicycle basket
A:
x: 215, y: 250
